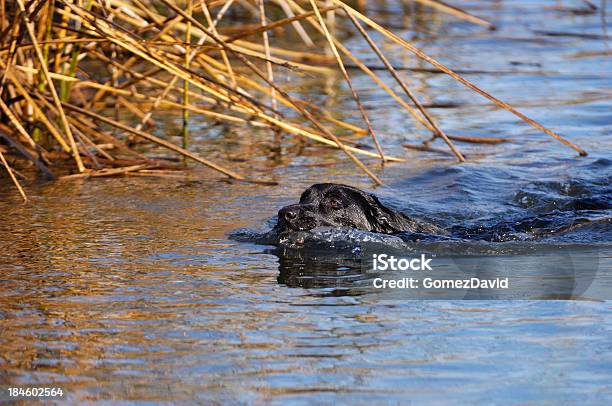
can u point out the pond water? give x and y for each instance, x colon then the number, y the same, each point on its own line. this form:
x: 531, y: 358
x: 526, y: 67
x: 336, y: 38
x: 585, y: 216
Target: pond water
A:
x: 130, y: 289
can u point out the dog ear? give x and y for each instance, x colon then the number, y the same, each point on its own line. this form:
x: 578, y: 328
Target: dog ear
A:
x: 381, y: 218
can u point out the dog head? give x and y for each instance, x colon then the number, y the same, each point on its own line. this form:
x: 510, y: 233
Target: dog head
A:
x: 334, y: 205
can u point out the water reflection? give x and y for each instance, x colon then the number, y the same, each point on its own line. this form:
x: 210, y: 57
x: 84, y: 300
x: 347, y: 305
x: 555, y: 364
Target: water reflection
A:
x: 532, y: 272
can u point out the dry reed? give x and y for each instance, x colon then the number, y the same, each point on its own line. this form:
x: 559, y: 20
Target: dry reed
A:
x: 132, y: 53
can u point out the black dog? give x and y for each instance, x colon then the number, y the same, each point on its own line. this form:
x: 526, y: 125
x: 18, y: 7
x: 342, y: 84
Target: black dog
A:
x: 334, y: 205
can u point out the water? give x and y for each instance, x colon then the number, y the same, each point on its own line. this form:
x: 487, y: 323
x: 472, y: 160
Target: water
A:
x: 127, y: 289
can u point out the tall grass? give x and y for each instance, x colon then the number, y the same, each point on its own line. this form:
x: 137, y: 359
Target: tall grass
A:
x: 54, y: 109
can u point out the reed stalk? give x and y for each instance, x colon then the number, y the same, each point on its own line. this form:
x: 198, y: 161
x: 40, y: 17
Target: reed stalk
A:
x: 2, y: 15
x: 39, y: 55
x: 303, y: 111
x: 185, y: 82
x: 332, y: 46
x: 457, y: 12
x: 437, y: 130
x: 405, y: 44
x: 13, y: 178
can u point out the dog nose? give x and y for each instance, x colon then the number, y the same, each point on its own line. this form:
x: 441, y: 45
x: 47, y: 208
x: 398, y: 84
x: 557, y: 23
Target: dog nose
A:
x: 290, y: 213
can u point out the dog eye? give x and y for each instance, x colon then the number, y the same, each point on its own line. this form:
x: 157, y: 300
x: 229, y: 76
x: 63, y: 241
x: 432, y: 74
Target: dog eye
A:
x: 335, y: 204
